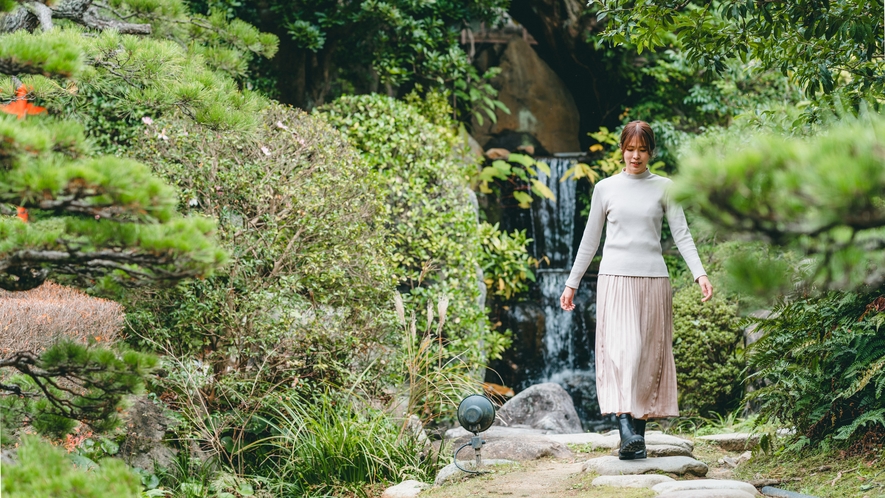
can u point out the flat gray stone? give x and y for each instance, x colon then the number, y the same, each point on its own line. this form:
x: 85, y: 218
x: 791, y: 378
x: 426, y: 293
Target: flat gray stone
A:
x: 511, y: 443
x: 405, y: 489
x: 706, y: 484
x: 521, y: 449
x: 583, y: 438
x: 642, y: 481
x: 651, y: 439
x: 663, y: 450
x: 612, y: 466
x: 707, y: 493
x: 451, y: 472
x: 739, y: 441
x: 497, y: 431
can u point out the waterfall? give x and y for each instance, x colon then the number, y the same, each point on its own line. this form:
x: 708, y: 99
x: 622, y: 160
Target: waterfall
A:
x: 549, y: 344
x: 568, y: 358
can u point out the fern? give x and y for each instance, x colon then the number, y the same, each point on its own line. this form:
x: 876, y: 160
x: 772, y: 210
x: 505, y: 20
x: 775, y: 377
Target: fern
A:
x: 820, y: 365
x: 875, y: 416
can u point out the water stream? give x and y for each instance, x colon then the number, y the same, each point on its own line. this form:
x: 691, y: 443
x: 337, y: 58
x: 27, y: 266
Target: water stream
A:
x: 551, y: 345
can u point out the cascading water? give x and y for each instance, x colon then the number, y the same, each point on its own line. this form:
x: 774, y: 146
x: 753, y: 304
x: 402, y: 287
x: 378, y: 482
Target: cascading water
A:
x: 568, y: 357
x: 549, y: 344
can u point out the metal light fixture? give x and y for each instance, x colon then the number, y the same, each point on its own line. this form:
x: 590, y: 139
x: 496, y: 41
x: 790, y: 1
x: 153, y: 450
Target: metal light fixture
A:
x: 476, y: 414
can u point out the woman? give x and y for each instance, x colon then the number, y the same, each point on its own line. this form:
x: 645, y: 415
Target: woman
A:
x: 635, y: 371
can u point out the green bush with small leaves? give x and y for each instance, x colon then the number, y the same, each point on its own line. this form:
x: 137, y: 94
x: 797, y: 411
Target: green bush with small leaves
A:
x: 821, y: 360
x: 42, y: 470
x: 707, y: 347
x: 432, y: 220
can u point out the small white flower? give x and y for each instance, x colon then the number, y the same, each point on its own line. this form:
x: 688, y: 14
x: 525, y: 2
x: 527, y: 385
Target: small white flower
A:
x: 162, y: 134
x: 147, y: 120
x: 266, y: 151
x: 281, y: 125
x: 193, y: 202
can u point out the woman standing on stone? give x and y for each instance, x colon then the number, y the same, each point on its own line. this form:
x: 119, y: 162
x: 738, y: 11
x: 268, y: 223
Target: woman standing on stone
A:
x: 635, y: 371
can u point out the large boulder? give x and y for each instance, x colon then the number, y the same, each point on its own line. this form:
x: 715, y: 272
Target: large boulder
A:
x: 547, y: 407
x: 542, y: 109
x: 144, y: 445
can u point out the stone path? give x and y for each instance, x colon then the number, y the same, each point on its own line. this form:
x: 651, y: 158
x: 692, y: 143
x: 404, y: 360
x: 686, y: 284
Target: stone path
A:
x: 671, y: 471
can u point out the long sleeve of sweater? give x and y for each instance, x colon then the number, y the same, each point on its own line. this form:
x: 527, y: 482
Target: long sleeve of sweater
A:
x: 590, y: 239
x: 683, y: 239
x: 632, y: 207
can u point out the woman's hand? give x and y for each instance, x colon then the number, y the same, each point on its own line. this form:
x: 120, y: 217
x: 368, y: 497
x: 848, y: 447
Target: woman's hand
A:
x: 566, y: 300
x: 706, y: 288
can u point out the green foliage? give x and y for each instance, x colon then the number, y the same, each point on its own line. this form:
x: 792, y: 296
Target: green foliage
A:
x: 521, y: 171
x: 71, y: 382
x: 823, y: 46
x: 433, y: 226
x: 820, y: 361
x: 107, y: 220
x: 331, y: 444
x: 374, y: 45
x: 822, y: 197
x: 42, y: 470
x: 506, y: 266
x: 311, y: 282
x: 707, y: 346
x: 46, y: 53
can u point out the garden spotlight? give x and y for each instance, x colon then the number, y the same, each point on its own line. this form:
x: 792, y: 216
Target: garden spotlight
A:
x: 476, y: 414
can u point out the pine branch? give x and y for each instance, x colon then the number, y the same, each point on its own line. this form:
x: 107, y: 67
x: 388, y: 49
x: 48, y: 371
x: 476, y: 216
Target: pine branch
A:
x: 41, y: 12
x: 13, y: 66
x: 32, y: 14
x: 28, y: 269
x: 79, y: 383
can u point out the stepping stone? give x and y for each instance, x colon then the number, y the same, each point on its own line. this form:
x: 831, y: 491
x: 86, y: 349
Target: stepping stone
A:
x: 405, y: 489
x: 520, y: 449
x: 642, y: 481
x: 707, y: 493
x: 651, y: 439
x: 450, y: 472
x: 709, y: 485
x: 662, y: 450
x: 738, y: 441
x: 582, y: 438
x: 612, y: 466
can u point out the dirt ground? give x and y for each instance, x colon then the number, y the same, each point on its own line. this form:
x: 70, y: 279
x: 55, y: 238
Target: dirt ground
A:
x: 543, y: 478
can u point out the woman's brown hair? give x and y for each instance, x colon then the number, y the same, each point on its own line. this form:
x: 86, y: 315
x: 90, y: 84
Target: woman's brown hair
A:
x: 640, y: 130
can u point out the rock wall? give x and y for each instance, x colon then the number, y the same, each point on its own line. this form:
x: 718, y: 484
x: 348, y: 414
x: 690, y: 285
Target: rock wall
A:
x: 542, y: 110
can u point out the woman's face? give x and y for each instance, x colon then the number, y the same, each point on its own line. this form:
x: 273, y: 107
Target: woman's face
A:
x: 636, y: 156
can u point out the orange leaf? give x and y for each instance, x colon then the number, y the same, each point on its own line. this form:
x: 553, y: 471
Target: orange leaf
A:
x: 21, y: 106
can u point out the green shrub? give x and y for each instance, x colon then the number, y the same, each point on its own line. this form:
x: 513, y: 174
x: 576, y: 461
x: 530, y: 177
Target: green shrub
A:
x: 432, y: 221
x: 707, y: 346
x: 309, y: 288
x: 42, y: 470
x: 823, y: 363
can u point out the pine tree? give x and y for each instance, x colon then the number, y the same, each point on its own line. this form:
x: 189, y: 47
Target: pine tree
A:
x: 69, y: 211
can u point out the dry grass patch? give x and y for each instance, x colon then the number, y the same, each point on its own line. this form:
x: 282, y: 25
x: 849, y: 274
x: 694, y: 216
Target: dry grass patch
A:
x: 34, y: 320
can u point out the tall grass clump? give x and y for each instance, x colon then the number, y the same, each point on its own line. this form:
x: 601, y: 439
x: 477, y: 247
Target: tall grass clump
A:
x: 435, y: 380
x: 331, y: 444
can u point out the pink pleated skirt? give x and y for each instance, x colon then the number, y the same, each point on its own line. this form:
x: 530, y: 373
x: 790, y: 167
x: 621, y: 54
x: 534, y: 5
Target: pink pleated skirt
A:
x: 635, y: 371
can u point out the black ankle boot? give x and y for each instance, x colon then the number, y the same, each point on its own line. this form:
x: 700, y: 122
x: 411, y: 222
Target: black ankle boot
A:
x: 631, y: 443
x: 639, y: 428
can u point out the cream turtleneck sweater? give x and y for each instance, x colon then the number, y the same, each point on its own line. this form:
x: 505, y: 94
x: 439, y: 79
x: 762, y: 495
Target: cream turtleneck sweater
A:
x: 634, y: 207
